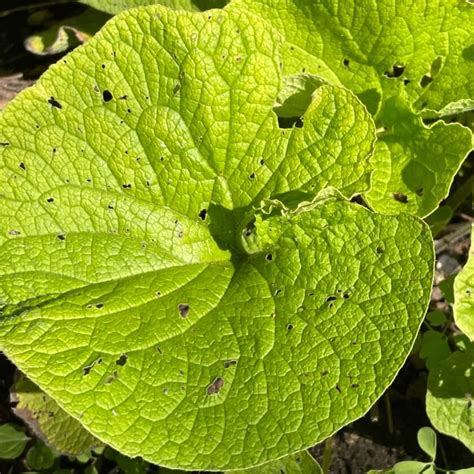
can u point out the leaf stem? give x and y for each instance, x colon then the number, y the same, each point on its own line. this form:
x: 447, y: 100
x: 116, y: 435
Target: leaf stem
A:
x: 327, y: 455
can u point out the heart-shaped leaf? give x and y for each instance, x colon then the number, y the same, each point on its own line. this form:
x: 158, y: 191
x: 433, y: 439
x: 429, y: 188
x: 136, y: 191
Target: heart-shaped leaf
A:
x: 177, y: 271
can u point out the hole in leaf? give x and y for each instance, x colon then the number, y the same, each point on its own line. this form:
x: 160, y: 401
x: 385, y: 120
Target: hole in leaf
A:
x: 14, y: 232
x: 183, y: 310
x: 50, y: 200
x: 338, y: 389
x: 354, y: 385
x: 122, y: 360
x: 123, y: 97
x: 4, y: 144
x: 380, y: 250
x: 126, y: 186
x: 252, y: 176
x: 215, y: 386
x: 203, y: 214
x: 330, y: 298
x: 426, y: 80
x: 324, y: 373
x: 99, y: 305
x: 406, y: 82
x: 229, y: 363
x: 290, y: 122
x: 107, y: 96
x: 269, y: 257
x: 61, y: 237
x: 289, y: 327
x: 400, y: 197
x: 396, y: 71
x: 55, y: 103
x: 346, y: 296
x: 22, y: 166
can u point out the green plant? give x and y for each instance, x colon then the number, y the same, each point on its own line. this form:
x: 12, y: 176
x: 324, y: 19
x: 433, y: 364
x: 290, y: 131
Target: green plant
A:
x: 183, y: 271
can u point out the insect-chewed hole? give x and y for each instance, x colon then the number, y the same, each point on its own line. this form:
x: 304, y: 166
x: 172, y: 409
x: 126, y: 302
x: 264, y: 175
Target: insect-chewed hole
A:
x: 107, y: 96
x: 400, y: 197
x: 122, y: 360
x: 202, y: 214
x: 183, y: 310
x: 52, y: 101
x: 215, y: 386
x: 396, y: 71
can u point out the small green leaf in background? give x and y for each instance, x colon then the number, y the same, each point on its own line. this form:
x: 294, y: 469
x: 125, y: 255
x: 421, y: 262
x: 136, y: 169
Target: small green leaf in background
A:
x: 49, y: 421
x: 12, y: 441
x: 412, y: 467
x: 449, y: 400
x: 68, y: 33
x: 464, y: 296
x: 447, y: 288
x: 438, y: 219
x: 40, y: 456
x: 436, y: 318
x: 434, y: 348
x: 426, y: 437
x: 127, y: 465
x: 300, y: 463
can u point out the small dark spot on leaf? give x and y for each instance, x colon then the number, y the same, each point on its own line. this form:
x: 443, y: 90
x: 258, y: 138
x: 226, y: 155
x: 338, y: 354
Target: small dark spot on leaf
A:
x: 324, y: 373
x: 62, y: 236
x: 330, y: 298
x: 346, y: 296
x: 22, y: 166
x: 158, y: 349
x: 229, y: 363
x: 123, y: 97
x: 126, y: 186
x: 277, y: 291
x: 122, y: 360
x: 380, y: 250
x: 269, y: 257
x: 397, y: 71
x: 99, y: 305
x: 52, y: 101
x: 203, y: 214
x: 354, y: 385
x: 87, y: 370
x: 252, y: 176
x: 406, y: 82
x: 107, y: 96
x: 50, y: 414
x: 346, y: 62
x: 129, y: 111
x: 176, y: 88
x: 215, y: 386
x: 400, y: 197
x: 289, y: 327
x: 354, y: 343
x: 103, y: 66
x: 50, y: 200
x: 110, y: 207
x: 4, y: 144
x: 183, y: 310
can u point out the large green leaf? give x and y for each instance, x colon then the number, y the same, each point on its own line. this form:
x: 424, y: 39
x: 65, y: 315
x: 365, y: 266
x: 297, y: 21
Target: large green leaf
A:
x: 175, y: 272
x: 449, y: 401
x: 116, y: 6
x: 464, y: 296
x: 399, y: 58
